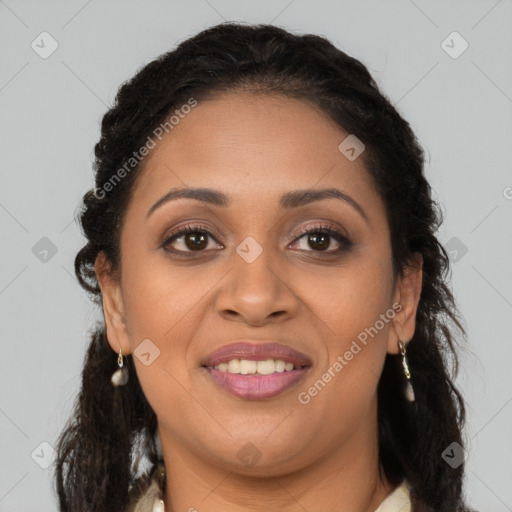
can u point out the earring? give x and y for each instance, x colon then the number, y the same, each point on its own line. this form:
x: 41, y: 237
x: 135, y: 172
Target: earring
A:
x: 408, y: 390
x: 120, y: 376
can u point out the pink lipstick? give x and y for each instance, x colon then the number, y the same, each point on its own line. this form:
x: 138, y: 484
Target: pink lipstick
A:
x: 235, y: 368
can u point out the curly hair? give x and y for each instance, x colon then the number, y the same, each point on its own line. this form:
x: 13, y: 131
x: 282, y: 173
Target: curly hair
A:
x: 99, y: 451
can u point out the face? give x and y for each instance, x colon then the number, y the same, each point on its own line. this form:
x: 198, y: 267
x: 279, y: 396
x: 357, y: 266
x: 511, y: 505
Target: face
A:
x: 313, y: 274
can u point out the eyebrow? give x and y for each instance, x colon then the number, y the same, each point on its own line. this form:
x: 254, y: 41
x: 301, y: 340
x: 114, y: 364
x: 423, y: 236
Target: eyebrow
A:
x: 292, y: 199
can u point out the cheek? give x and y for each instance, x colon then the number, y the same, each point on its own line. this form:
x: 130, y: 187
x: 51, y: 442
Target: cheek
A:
x: 355, y: 312
x: 157, y: 309
x: 161, y: 298
x: 351, y: 299
x: 164, y: 307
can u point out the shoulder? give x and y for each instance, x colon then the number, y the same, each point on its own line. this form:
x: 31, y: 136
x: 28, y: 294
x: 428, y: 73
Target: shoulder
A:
x: 148, y: 497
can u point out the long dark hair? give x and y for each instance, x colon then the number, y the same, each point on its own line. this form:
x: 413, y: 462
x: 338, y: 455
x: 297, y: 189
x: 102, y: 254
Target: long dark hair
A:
x: 97, y: 454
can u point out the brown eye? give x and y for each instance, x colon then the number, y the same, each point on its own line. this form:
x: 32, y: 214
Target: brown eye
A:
x: 196, y: 241
x: 188, y: 239
x: 319, y: 239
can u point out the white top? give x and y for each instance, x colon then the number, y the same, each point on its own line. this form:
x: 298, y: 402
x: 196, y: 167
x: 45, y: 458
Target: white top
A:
x: 396, y: 501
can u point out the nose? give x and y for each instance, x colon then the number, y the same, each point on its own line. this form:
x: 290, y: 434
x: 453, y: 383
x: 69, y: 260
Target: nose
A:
x: 255, y: 293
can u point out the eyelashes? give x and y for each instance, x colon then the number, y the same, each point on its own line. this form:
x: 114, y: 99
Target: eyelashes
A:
x: 326, y: 231
x: 200, y: 237
x: 185, y: 231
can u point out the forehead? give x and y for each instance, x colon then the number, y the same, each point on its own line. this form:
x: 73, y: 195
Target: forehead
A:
x: 252, y: 146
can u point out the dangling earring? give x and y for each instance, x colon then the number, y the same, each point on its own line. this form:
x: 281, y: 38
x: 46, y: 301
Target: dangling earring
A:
x: 408, y: 390
x: 120, y: 376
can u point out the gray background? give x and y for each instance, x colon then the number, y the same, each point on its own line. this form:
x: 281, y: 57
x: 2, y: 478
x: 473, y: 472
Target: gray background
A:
x: 459, y: 107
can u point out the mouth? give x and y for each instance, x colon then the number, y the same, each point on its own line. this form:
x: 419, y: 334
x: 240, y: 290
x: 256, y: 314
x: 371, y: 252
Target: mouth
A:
x: 256, y: 371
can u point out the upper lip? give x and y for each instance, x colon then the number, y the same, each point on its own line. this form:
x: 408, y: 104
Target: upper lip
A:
x: 256, y: 350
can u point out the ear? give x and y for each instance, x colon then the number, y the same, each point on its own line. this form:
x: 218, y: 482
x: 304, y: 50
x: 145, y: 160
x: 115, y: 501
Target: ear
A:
x: 407, y: 293
x: 113, y: 305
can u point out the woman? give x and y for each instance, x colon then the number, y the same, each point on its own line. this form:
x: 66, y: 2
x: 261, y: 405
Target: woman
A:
x: 261, y: 239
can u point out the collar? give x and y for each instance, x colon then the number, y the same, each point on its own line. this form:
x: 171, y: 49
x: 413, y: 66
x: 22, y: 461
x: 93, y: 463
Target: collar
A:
x: 398, y: 500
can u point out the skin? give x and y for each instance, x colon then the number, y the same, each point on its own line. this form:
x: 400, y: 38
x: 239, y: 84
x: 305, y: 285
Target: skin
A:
x: 315, y: 457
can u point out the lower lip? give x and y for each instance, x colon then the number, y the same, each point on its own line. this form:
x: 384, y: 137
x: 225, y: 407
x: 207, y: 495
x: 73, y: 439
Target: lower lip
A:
x: 256, y: 387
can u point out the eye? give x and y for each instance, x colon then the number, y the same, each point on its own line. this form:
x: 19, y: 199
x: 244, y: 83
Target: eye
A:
x: 319, y: 238
x: 190, y: 239
x: 195, y: 239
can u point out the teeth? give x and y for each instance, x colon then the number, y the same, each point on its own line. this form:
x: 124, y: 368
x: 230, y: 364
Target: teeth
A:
x: 233, y: 366
x: 280, y: 365
x: 247, y: 367
x: 266, y: 367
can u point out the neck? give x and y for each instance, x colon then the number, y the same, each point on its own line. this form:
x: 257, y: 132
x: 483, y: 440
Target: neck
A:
x: 346, y: 478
